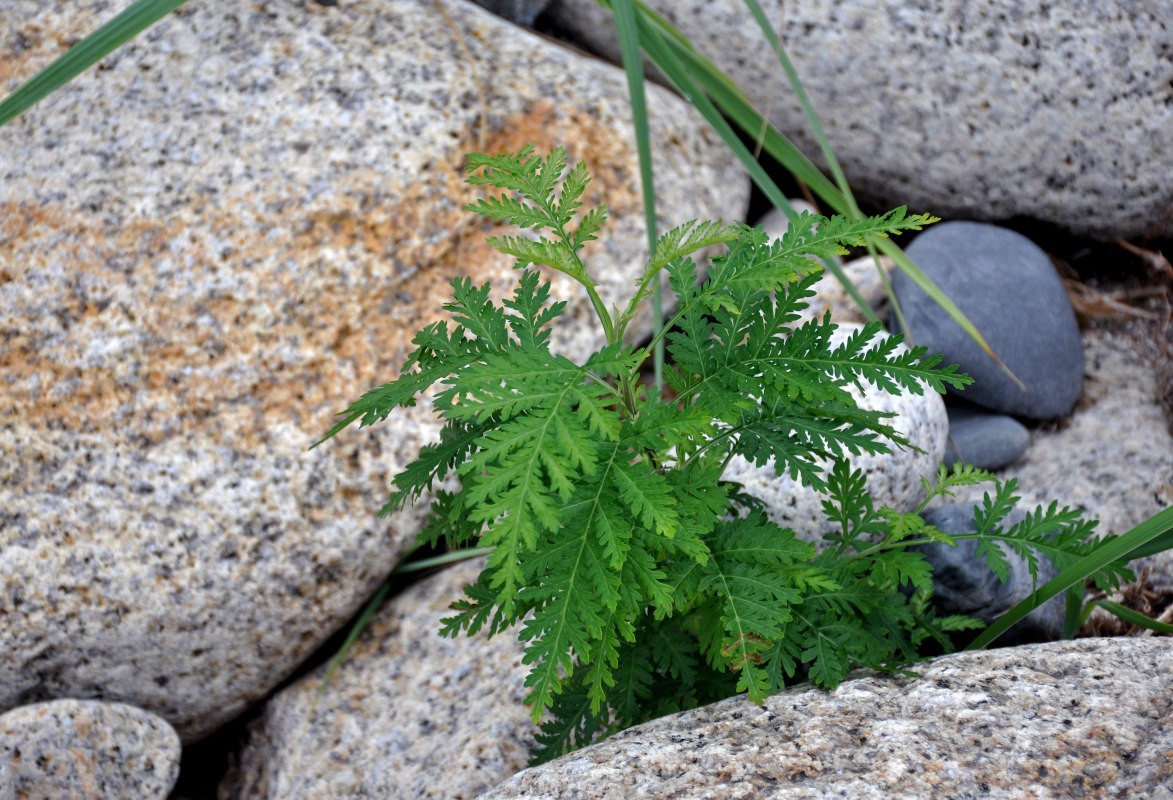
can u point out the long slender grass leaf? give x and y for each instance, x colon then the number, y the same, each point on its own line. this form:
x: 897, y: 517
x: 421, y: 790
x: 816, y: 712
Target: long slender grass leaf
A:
x: 1161, y: 524
x: 807, y: 108
x: 732, y: 102
x: 136, y: 18
x: 658, y: 49
x: 629, y: 46
x: 1133, y: 617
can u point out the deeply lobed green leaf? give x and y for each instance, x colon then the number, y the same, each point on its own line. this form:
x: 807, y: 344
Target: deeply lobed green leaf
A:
x: 642, y: 581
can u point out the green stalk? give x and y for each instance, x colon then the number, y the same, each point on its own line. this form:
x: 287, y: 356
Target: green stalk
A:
x: 442, y: 559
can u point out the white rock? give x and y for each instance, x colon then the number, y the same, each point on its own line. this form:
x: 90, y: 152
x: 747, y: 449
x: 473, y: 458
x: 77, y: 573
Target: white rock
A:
x: 894, y: 479
x: 407, y: 715
x: 975, y: 110
x: 86, y: 750
x: 207, y: 248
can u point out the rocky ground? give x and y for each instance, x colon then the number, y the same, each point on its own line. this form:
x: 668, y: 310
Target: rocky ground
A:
x: 205, y: 252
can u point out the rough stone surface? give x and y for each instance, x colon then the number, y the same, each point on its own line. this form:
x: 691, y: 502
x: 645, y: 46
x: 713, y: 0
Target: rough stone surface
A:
x: 966, y: 108
x: 988, y: 441
x: 1008, y: 288
x: 1091, y: 718
x: 894, y: 479
x: 408, y: 714
x: 7, y: 788
x: 208, y: 246
x: 87, y: 750
x: 963, y: 584
x: 1113, y: 458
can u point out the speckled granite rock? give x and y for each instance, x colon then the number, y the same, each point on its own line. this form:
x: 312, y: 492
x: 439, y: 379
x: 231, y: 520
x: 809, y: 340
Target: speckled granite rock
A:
x: 966, y: 108
x: 1113, y: 457
x: 408, y: 715
x: 1091, y: 718
x: 87, y: 750
x: 1009, y: 289
x: 208, y: 247
x: 7, y: 787
x: 894, y: 479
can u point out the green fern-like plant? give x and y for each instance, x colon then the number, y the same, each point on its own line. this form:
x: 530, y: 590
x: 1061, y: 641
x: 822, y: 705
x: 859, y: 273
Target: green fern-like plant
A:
x: 642, y: 581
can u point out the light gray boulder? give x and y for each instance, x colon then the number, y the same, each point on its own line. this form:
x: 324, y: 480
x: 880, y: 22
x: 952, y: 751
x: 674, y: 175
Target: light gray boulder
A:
x: 1087, y: 718
x: 1061, y: 112
x: 210, y: 245
x: 407, y: 715
x: 86, y: 750
x: 894, y: 478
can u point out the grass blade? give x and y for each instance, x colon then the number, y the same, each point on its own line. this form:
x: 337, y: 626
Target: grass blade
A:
x: 1073, y: 609
x: 1152, y: 547
x: 807, y: 108
x: 629, y: 46
x: 659, y: 50
x: 732, y: 102
x: 1133, y: 617
x: 442, y: 559
x: 137, y: 17
x: 1160, y: 525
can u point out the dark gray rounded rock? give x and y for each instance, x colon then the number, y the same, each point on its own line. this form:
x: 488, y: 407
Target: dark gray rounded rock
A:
x: 963, y: 584
x: 522, y: 12
x: 987, y: 441
x: 1008, y: 288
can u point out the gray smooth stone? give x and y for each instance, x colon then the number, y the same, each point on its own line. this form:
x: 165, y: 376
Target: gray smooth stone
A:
x: 987, y: 441
x: 1008, y: 288
x: 522, y: 12
x: 963, y: 584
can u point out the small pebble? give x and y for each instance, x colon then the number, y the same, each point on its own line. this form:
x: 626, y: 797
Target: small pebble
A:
x: 987, y: 441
